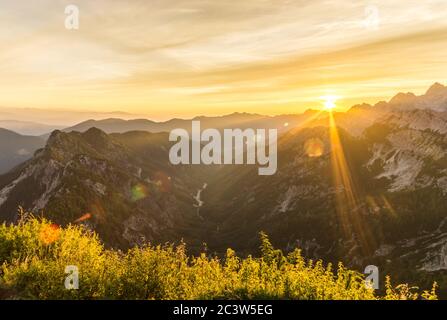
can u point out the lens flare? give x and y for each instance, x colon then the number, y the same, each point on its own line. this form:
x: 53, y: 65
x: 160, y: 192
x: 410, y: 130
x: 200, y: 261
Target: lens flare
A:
x: 139, y: 192
x: 85, y: 217
x: 49, y: 234
x: 314, y: 148
x: 162, y: 181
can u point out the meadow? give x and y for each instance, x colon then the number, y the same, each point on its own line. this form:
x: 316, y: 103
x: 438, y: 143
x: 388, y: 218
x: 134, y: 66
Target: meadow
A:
x: 34, y: 254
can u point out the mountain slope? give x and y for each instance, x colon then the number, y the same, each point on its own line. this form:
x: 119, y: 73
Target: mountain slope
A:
x: 121, y: 185
x: 16, y: 148
x: 398, y: 173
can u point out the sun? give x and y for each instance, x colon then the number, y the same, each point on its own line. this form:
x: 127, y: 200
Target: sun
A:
x: 330, y: 102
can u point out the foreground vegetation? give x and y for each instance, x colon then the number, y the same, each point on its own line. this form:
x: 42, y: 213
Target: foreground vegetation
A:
x: 34, y: 254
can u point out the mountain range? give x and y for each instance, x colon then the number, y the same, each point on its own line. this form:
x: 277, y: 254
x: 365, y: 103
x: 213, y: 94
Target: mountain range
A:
x: 365, y: 115
x: 371, y: 190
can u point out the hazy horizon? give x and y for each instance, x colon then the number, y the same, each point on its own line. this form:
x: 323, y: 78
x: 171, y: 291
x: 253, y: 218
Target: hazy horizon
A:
x: 67, y: 117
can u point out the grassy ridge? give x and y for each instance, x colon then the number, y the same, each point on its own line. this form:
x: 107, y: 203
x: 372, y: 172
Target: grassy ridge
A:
x: 34, y: 254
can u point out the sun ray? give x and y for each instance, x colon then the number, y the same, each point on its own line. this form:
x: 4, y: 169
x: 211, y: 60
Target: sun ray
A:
x: 347, y: 205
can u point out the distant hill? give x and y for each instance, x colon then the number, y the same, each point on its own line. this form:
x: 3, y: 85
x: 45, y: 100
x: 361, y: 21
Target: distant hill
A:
x: 16, y: 148
x: 234, y: 120
x: 27, y: 127
x: 58, y: 117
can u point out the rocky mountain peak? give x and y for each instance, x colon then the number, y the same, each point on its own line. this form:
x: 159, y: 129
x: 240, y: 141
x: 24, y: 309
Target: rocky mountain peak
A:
x: 62, y: 146
x: 436, y: 90
x: 403, y: 98
x: 57, y: 139
x: 96, y: 137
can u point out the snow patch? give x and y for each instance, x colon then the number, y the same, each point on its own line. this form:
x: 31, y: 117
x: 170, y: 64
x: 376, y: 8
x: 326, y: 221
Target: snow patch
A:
x: 197, y: 197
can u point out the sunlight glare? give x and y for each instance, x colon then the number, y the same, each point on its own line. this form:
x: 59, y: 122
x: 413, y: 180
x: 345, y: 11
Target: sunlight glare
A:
x: 330, y: 102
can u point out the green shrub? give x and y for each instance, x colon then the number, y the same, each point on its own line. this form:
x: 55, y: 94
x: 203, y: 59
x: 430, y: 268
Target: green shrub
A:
x: 34, y: 254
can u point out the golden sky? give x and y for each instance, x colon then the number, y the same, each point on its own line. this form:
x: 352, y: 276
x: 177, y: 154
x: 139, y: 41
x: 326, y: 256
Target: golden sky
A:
x: 181, y: 58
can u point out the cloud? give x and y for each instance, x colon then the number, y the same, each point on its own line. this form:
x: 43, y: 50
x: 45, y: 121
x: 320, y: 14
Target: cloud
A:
x: 181, y: 56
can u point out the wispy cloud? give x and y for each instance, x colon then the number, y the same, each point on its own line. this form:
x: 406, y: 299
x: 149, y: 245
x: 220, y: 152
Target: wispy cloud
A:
x: 182, y: 57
